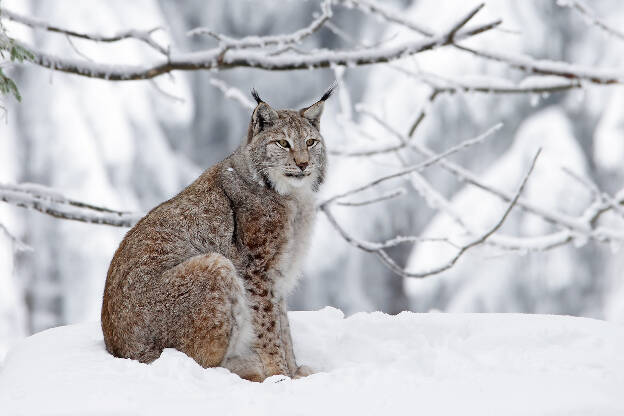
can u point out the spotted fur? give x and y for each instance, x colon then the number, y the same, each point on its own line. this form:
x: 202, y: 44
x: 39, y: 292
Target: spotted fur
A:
x: 207, y: 272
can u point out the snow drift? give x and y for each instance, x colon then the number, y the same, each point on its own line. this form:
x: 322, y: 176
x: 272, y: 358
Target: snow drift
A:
x: 369, y: 363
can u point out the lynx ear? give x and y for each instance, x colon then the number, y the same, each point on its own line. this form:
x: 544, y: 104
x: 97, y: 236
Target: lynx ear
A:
x: 313, y: 112
x: 262, y: 116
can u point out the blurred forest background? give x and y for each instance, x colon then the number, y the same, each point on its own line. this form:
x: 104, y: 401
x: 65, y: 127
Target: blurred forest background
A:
x: 131, y: 145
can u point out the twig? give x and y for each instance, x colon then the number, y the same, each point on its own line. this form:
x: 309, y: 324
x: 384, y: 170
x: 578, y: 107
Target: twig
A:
x: 462, y: 22
x: 445, y: 84
x: 18, y: 245
x: 387, y: 13
x: 233, y: 93
x: 602, y: 196
x: 216, y: 58
x: 423, y: 113
x: 263, y: 41
x: 586, y: 12
x: 420, y: 166
x: 384, y: 197
x: 51, y: 203
x: 140, y: 35
x: 561, y: 69
x: 390, y: 263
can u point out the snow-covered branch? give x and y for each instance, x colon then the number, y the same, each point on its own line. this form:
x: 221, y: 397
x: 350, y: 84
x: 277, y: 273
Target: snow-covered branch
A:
x: 543, y: 67
x: 591, y: 17
x: 256, y: 52
x: 388, y: 14
x: 525, y: 63
x: 140, y: 35
x: 379, y: 249
x: 262, y: 41
x: 433, y: 159
x: 493, y: 85
x: 50, y: 202
x: 233, y: 93
x: 582, y: 226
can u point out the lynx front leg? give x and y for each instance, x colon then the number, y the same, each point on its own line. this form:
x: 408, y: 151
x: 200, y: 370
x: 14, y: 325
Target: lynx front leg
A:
x: 266, y: 322
x: 287, y: 338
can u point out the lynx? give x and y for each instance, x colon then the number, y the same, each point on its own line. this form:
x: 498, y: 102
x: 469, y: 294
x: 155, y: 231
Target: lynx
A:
x: 208, y: 271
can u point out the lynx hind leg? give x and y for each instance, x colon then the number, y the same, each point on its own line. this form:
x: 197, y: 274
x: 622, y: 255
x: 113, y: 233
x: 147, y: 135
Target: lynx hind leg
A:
x: 202, y: 318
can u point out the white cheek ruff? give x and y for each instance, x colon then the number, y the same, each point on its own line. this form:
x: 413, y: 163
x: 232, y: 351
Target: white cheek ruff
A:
x: 285, y: 185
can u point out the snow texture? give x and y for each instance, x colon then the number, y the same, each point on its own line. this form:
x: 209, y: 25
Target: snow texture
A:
x: 369, y: 363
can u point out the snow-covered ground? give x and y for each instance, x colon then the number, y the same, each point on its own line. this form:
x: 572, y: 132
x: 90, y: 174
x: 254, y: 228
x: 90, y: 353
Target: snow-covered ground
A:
x: 368, y: 364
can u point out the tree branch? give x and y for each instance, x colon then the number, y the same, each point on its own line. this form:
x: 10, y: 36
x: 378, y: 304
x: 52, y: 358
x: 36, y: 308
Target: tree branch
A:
x: 542, y: 67
x: 379, y: 249
x: 590, y: 16
x: 263, y: 41
x: 144, y: 36
x: 228, y: 57
x: 416, y: 168
x: 49, y: 202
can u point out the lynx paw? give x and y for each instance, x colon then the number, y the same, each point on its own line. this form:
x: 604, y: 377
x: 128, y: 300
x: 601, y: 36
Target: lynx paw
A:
x: 257, y: 377
x: 303, y: 371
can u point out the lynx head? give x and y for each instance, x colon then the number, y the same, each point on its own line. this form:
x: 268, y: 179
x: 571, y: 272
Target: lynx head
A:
x: 285, y: 147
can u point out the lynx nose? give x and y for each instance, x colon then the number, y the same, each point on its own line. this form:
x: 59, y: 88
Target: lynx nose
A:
x: 301, y: 159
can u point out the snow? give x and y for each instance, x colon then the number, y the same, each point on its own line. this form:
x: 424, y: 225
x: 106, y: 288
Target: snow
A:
x: 369, y: 363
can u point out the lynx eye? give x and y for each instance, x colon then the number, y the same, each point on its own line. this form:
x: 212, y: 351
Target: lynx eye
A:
x: 283, y: 143
x: 311, y: 142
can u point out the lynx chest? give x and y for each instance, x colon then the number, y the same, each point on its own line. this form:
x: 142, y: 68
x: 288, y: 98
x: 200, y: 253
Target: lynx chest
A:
x: 273, y: 235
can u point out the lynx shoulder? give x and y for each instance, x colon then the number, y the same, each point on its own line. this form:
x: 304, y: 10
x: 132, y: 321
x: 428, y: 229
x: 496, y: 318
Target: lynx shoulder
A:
x: 207, y: 272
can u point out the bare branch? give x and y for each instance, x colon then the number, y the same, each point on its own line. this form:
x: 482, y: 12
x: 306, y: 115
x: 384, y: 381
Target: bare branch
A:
x: 419, y: 167
x: 574, y: 72
x: 438, y: 202
x: 589, y: 14
x: 388, y: 14
x: 405, y: 142
x: 144, y: 36
x: 233, y: 93
x: 384, y: 197
x: 603, y: 197
x: 423, y: 113
x: 462, y: 22
x: 223, y: 58
x: 18, y: 245
x: 582, y: 225
x: 51, y: 203
x: 561, y: 69
x: 263, y: 41
x: 531, y: 85
x: 390, y: 263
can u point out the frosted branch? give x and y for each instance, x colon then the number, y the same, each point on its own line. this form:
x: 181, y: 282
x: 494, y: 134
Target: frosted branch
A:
x: 233, y: 93
x: 388, y: 14
x: 591, y: 17
x: 263, y: 41
x: 433, y: 159
x: 235, y: 55
x: 49, y: 202
x: 492, y: 85
x: 379, y: 249
x: 544, y: 67
x: 144, y: 36
x: 384, y: 197
x: 18, y: 245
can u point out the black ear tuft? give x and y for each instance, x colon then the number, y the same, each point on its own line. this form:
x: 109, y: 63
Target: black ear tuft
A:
x: 329, y: 91
x: 255, y: 95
